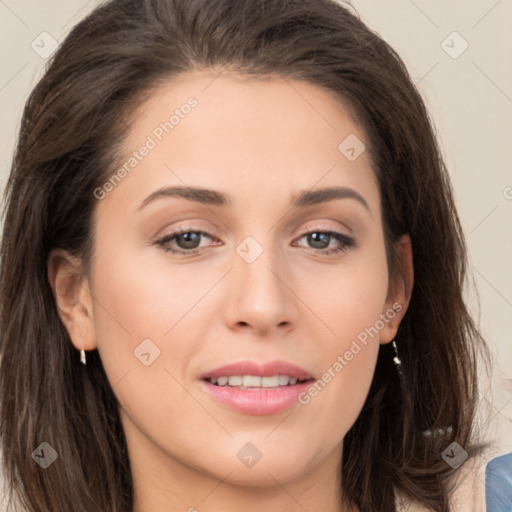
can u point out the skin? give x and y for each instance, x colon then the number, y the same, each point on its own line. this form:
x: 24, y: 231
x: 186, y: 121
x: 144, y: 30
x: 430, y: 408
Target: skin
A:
x: 260, y: 142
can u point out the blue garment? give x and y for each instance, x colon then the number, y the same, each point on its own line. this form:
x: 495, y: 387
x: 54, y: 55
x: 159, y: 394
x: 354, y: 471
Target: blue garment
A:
x: 498, y: 484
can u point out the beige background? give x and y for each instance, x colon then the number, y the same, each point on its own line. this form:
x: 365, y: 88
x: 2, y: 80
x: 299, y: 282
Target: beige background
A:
x: 470, y: 98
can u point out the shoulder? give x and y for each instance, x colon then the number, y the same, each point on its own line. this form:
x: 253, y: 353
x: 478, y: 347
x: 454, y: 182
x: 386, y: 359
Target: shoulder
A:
x: 483, y: 482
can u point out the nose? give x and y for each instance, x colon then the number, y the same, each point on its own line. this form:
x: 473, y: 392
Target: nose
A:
x: 260, y: 297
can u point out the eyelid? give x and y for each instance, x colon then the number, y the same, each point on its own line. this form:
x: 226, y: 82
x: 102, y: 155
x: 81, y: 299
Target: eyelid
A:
x: 202, y: 226
x: 212, y: 232
x: 334, y: 226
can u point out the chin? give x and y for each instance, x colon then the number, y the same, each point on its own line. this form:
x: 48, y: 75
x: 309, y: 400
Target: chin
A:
x: 282, y: 465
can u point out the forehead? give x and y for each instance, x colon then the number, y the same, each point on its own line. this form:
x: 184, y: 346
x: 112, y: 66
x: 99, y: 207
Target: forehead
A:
x: 256, y: 136
x: 232, y: 98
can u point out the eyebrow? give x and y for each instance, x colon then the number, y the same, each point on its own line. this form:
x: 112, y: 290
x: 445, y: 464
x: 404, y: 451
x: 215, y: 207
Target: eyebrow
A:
x: 215, y: 198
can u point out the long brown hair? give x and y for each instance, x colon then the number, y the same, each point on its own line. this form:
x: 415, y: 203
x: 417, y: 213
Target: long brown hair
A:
x: 73, y: 124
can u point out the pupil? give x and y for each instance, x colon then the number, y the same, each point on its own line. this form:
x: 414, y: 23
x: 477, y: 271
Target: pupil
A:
x: 321, y: 238
x: 191, y: 239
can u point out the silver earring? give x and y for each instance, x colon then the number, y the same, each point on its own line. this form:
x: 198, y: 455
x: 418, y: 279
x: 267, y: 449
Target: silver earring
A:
x: 397, y: 360
x: 82, y: 356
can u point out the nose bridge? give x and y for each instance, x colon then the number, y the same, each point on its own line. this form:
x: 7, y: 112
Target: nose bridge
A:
x: 259, y: 297
x: 257, y: 263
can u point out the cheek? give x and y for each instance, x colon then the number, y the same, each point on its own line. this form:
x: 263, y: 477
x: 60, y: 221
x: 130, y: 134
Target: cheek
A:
x: 349, y: 303
x: 146, y: 323
x: 145, y: 299
x: 147, y: 332
x: 347, y: 297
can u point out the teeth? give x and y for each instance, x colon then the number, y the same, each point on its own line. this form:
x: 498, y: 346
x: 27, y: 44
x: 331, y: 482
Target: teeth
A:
x: 269, y: 382
x: 254, y: 381
x: 235, y: 380
x: 283, y: 380
x: 251, y: 381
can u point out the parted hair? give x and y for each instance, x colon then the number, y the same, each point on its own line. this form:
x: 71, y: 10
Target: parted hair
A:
x: 72, y: 128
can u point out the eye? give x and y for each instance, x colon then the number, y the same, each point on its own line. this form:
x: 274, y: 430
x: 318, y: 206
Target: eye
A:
x: 320, y: 241
x: 188, y: 241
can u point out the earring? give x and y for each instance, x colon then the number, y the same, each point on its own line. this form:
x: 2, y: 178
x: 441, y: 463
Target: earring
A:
x: 397, y: 360
x: 82, y: 356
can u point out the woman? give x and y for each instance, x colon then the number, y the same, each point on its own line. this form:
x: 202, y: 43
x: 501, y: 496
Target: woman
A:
x: 232, y: 271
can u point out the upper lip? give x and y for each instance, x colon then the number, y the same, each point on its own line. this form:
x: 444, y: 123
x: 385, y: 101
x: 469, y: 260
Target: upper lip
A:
x: 260, y: 369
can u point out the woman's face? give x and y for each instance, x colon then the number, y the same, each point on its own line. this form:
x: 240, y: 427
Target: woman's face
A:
x: 262, y: 284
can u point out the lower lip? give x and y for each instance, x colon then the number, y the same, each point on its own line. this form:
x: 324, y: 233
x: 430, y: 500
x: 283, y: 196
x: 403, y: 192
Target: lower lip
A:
x: 257, y: 401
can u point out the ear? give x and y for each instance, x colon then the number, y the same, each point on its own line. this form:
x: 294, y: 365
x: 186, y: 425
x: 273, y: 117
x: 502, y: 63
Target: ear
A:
x: 399, y: 290
x: 72, y: 294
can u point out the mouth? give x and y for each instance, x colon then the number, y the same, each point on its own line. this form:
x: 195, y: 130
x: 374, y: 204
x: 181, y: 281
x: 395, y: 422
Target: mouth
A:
x: 257, y: 389
x: 256, y: 381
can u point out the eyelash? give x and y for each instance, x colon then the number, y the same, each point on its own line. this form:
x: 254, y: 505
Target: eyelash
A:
x: 346, y: 242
